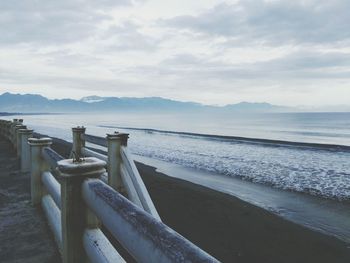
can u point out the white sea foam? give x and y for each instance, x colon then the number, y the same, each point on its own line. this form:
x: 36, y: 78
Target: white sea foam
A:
x: 314, y: 171
x: 310, y: 170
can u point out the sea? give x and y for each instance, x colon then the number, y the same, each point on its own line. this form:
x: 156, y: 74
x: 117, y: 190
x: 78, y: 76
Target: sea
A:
x: 296, y: 156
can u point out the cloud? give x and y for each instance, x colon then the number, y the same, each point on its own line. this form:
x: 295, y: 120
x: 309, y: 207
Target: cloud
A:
x: 55, y: 84
x: 294, y: 66
x: 271, y: 22
x: 272, y: 50
x: 51, y: 21
x: 127, y: 36
x: 69, y: 59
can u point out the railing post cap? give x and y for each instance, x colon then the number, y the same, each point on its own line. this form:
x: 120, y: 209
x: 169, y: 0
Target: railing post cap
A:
x: 40, y: 141
x: 118, y: 136
x: 25, y: 131
x: 79, y: 129
x: 88, y: 167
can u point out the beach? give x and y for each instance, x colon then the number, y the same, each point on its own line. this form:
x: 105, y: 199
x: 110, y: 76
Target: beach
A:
x: 235, y: 231
x: 228, y: 228
x: 175, y: 131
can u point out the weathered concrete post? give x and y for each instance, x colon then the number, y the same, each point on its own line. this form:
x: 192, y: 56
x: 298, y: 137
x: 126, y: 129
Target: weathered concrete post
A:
x: 78, y: 142
x: 2, y: 122
x: 2, y: 127
x: 25, y: 134
x: 8, y: 130
x: 17, y: 137
x: 12, y: 132
x: 38, y: 166
x: 75, y: 216
x: 115, y: 141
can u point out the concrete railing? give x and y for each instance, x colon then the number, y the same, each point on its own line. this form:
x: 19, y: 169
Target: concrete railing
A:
x: 77, y: 202
x: 122, y: 174
x: 18, y: 134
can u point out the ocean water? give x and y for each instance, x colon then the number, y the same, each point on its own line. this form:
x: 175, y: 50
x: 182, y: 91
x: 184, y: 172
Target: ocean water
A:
x: 314, y: 159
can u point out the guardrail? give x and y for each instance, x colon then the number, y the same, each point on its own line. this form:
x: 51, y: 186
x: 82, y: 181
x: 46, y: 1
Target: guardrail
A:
x: 77, y: 201
x: 123, y: 175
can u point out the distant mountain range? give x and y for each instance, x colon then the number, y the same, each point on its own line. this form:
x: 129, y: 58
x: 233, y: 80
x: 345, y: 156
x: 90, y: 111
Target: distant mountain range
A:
x: 36, y: 103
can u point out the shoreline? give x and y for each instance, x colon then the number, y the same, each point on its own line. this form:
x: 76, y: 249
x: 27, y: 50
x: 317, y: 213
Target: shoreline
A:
x: 228, y: 228
x: 7, y: 114
x: 273, y: 142
x: 328, y: 216
x: 233, y: 230
x: 240, y: 139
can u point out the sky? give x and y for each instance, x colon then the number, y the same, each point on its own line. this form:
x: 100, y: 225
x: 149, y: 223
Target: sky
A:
x: 210, y: 51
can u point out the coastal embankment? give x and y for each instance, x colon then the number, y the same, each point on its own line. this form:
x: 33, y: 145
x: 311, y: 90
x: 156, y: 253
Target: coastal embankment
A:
x: 227, y: 227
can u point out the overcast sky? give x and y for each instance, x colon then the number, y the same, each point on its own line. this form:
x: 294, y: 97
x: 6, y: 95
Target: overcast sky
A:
x: 209, y: 51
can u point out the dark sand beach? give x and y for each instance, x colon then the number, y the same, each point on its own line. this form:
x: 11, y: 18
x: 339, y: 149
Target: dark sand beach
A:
x: 230, y: 229
x: 233, y: 230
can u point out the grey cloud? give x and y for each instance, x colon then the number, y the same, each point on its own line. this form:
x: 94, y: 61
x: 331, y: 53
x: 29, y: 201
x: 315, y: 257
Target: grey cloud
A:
x: 303, y: 61
x: 273, y: 22
x: 297, y: 65
x: 127, y: 37
x: 73, y: 83
x: 183, y: 60
x: 66, y: 58
x: 50, y: 21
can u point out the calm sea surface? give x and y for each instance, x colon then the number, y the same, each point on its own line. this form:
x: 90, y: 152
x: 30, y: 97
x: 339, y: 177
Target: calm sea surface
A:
x: 176, y: 138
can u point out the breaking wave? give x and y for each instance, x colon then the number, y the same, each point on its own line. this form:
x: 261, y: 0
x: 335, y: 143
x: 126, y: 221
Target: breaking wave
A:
x: 312, y: 168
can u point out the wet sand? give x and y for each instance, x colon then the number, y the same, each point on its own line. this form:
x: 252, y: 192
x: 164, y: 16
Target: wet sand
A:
x: 233, y: 230
x: 327, y: 216
x: 230, y: 229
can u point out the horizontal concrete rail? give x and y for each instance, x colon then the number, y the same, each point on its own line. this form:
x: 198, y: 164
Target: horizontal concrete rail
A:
x: 51, y: 157
x: 53, y: 214
x: 52, y: 186
x: 146, y: 238
x: 90, y: 153
x: 94, y: 139
x: 99, y: 249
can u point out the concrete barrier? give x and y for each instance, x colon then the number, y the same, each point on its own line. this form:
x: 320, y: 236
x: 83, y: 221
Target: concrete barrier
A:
x: 78, y: 202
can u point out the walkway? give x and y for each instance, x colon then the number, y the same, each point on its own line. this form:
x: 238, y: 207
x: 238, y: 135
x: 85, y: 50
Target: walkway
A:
x: 24, y: 234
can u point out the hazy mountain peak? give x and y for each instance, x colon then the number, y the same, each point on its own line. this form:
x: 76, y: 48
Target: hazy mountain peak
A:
x: 92, y: 99
x: 257, y: 107
x: 13, y: 95
x: 36, y: 103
